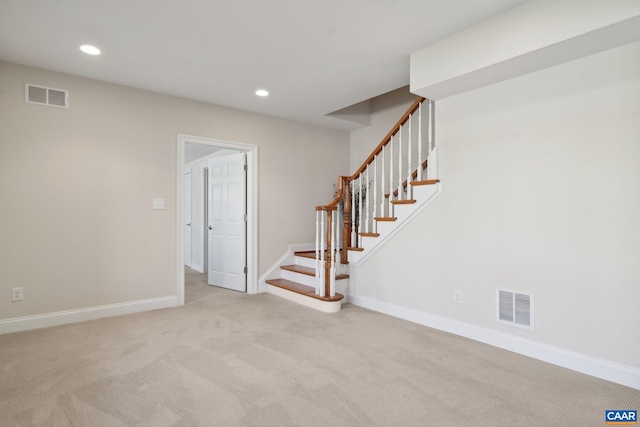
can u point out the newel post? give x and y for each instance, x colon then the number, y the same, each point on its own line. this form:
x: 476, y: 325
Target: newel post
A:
x: 329, y: 258
x: 346, y: 230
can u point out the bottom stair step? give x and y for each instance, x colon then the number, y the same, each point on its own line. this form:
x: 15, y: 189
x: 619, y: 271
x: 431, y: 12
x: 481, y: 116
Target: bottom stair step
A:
x: 301, y: 289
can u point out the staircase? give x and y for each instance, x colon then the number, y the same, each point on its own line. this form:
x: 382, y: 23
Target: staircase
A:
x: 297, y: 282
x: 395, y: 183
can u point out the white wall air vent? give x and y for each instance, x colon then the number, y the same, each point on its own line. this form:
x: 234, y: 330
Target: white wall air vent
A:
x: 515, y: 308
x: 48, y: 96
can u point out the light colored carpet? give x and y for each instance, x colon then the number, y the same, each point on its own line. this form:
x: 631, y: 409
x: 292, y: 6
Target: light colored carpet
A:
x: 227, y: 358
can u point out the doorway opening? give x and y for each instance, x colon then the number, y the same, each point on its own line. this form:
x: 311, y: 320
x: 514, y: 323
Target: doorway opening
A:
x: 251, y: 154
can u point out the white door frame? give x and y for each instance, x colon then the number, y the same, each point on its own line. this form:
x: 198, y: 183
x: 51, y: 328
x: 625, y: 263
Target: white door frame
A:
x: 252, y: 208
x: 204, y: 170
x: 187, y: 171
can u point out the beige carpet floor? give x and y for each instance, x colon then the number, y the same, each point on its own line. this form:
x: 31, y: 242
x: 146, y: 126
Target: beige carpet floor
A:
x: 231, y: 359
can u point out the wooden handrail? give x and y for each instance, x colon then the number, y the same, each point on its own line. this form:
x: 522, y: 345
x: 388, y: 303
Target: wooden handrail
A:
x: 341, y: 180
x: 336, y: 200
x: 387, y: 138
x: 344, y: 193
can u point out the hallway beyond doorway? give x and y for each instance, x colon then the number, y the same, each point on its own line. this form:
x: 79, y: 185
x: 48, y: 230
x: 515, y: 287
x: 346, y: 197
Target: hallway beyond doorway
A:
x: 195, y: 285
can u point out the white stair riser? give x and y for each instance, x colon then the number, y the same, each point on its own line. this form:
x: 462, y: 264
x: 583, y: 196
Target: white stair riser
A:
x: 386, y: 227
x: 355, y: 256
x: 402, y: 212
x: 311, y: 263
x: 305, y: 279
x: 298, y: 277
x: 305, y: 262
x: 369, y: 242
x: 325, y: 306
x: 423, y: 192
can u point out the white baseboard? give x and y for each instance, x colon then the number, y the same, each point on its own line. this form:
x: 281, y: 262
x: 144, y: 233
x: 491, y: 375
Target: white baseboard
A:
x: 72, y: 316
x: 607, y: 370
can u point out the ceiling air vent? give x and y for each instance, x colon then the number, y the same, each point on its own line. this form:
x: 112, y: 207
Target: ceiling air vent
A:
x: 515, y: 308
x: 48, y: 96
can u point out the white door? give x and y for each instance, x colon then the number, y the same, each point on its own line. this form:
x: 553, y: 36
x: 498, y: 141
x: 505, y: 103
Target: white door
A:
x: 187, y: 218
x: 226, y: 222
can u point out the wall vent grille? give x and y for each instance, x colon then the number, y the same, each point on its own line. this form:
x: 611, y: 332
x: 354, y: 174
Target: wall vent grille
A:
x: 34, y: 94
x: 515, y: 308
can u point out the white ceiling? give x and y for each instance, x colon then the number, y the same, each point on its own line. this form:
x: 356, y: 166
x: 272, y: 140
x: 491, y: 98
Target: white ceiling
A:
x: 314, y: 56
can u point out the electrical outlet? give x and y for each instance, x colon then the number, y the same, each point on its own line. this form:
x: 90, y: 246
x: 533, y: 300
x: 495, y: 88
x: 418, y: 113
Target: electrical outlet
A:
x: 158, y: 203
x: 457, y: 296
x: 17, y: 294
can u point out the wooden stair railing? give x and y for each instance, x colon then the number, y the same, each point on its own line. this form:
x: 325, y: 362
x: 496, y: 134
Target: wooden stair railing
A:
x: 402, y: 156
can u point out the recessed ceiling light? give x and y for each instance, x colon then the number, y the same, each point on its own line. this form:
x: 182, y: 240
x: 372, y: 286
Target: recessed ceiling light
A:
x: 262, y: 92
x: 90, y: 50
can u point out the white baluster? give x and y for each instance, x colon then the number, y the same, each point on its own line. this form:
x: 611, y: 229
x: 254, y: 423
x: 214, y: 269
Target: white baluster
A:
x: 400, y: 163
x: 409, y: 188
x: 354, y: 229
x: 360, y: 212
x: 390, y: 178
x: 375, y: 192
x: 318, y: 265
x: 339, y: 237
x: 323, y: 244
x: 420, y: 160
x: 383, y: 204
x: 367, y: 201
x: 334, y: 238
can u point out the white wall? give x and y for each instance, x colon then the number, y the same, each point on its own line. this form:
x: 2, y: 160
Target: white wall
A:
x: 197, y: 208
x: 386, y: 110
x: 541, y: 193
x: 76, y: 188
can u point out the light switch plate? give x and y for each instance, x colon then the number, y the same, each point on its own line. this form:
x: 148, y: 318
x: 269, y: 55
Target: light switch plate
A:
x: 457, y: 296
x: 158, y: 203
x: 17, y: 294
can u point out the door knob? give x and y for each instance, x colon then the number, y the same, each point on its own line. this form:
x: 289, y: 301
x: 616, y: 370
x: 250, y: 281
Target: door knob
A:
x: 210, y: 228
x: 189, y: 225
